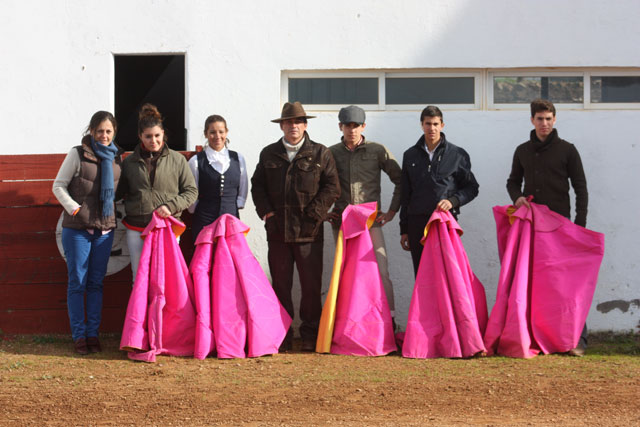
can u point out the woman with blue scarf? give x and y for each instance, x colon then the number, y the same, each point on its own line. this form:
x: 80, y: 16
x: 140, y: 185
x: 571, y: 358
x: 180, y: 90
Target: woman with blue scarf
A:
x: 85, y: 187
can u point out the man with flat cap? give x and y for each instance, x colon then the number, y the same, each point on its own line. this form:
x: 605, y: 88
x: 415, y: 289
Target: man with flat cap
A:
x: 360, y: 163
x: 294, y: 185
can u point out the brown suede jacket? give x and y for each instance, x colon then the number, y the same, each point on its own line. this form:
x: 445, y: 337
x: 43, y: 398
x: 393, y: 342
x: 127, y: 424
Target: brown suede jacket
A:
x: 299, y: 192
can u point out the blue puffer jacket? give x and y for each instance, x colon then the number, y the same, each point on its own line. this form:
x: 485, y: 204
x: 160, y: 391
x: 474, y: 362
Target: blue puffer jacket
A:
x: 425, y: 182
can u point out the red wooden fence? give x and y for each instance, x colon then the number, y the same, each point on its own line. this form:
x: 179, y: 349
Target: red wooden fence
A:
x: 33, y: 274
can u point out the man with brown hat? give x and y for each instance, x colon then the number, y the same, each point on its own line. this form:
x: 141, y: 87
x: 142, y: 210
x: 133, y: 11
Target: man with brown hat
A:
x: 294, y: 185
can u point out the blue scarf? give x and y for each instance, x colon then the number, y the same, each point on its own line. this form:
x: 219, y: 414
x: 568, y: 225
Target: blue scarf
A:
x: 106, y: 154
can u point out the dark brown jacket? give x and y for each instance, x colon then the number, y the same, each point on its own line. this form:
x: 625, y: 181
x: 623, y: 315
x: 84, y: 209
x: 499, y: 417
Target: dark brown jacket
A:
x: 300, y: 192
x: 85, y: 189
x: 547, y: 168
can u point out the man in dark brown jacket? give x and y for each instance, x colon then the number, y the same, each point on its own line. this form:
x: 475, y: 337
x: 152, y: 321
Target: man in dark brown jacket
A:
x: 548, y: 164
x: 294, y: 185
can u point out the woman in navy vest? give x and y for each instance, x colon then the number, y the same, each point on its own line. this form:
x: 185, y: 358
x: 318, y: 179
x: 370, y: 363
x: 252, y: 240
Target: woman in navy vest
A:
x: 221, y: 177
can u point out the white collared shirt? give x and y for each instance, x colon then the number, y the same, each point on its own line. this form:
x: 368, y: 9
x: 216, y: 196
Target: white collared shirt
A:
x: 220, y: 161
x: 431, y: 153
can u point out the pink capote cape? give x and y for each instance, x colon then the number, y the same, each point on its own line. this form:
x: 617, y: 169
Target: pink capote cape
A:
x: 547, y: 280
x: 448, y: 310
x: 235, y: 303
x: 161, y: 316
x: 355, y: 317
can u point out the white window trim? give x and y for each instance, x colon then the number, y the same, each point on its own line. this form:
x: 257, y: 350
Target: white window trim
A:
x: 483, y: 86
x: 585, y: 73
x: 588, y: 105
x: 477, y: 90
x: 381, y: 76
x: 329, y: 75
x: 523, y: 73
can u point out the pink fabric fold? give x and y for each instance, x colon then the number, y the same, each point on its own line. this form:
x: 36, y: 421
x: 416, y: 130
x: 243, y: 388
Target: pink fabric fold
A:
x: 549, y: 270
x: 160, y: 315
x: 237, y: 308
x: 448, y: 310
x: 363, y: 325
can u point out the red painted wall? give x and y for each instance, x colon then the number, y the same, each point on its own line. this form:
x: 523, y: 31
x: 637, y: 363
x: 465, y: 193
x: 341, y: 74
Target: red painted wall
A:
x: 33, y: 274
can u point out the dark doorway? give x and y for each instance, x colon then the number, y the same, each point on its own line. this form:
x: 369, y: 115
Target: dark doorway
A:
x: 158, y: 79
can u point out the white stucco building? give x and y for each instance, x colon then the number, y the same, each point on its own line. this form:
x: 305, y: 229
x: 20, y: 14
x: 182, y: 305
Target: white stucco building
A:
x: 60, y: 61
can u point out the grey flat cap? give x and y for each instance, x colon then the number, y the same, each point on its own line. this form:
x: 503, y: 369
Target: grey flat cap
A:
x: 351, y: 114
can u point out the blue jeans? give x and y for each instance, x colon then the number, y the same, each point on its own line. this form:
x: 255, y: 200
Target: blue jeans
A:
x: 87, y: 258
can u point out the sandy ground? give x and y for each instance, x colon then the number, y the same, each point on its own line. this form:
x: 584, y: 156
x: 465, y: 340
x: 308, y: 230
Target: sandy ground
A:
x: 42, y: 382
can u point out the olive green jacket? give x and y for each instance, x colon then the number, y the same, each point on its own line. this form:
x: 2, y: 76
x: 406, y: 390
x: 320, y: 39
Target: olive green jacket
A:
x: 359, y: 174
x: 173, y: 186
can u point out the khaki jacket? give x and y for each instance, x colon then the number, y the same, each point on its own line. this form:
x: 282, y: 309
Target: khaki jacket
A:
x: 359, y: 173
x: 173, y: 186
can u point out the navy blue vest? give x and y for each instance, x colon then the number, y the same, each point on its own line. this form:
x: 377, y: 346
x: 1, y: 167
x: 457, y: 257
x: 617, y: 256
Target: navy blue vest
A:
x: 217, y: 193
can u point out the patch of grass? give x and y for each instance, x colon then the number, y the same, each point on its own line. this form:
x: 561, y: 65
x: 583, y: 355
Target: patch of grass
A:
x: 49, y: 339
x: 44, y: 377
x: 18, y: 364
x: 610, y: 343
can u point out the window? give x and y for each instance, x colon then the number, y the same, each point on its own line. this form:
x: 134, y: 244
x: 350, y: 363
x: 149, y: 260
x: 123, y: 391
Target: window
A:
x: 509, y: 90
x: 615, y: 89
x: 430, y: 90
x: 381, y: 90
x: 463, y: 89
x: 158, y: 79
x: 334, y: 90
x: 522, y: 89
x: 585, y: 89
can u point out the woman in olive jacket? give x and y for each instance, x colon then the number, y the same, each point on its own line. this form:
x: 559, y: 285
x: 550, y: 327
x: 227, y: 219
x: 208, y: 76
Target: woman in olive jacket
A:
x: 154, y: 179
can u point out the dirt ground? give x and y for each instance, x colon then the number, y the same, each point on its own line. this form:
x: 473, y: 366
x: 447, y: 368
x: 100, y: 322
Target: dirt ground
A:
x: 42, y: 382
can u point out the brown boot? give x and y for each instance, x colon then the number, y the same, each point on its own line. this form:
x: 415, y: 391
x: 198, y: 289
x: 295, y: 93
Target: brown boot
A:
x: 93, y: 344
x: 80, y: 346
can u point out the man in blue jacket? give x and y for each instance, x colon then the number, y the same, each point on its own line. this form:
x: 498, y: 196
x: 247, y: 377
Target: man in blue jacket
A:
x: 435, y: 175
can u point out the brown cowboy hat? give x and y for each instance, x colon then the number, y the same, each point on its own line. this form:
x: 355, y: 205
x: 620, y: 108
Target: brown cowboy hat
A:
x: 292, y: 111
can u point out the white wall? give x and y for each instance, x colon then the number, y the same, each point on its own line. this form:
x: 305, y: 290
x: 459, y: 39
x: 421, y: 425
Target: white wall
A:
x: 57, y: 69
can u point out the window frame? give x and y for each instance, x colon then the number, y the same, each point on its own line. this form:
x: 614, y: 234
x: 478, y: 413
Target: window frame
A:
x: 483, y: 86
x: 585, y: 73
x: 608, y: 105
x: 477, y: 90
x: 329, y: 75
x: 382, y: 75
x: 524, y: 73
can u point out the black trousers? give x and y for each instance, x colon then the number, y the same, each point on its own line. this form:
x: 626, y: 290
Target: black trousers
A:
x: 583, y: 337
x: 308, y: 260
x: 415, y: 230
